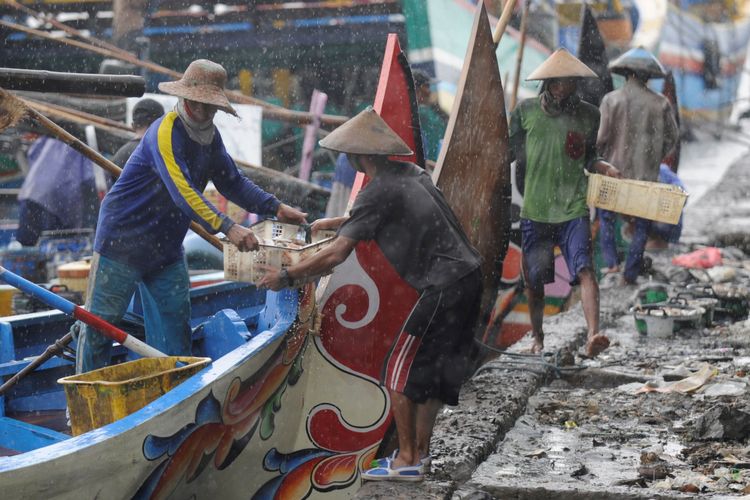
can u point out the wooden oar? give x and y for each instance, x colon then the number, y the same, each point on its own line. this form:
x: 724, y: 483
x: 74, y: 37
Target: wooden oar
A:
x: 10, y: 102
x: 52, y: 350
x: 80, y: 117
x: 258, y: 173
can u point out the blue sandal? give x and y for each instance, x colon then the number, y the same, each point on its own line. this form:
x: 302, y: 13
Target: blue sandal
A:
x: 389, y: 473
x: 381, y: 462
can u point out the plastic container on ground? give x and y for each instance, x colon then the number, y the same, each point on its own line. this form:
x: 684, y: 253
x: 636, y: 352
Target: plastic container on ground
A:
x: 647, y: 200
x: 6, y: 300
x: 663, y: 319
x: 100, y: 397
x: 281, y: 245
x: 659, y: 327
x: 656, y: 326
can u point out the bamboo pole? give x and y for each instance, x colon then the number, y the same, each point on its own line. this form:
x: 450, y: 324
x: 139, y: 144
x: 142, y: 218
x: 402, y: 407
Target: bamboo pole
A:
x: 270, y: 111
x: 502, y: 23
x: 64, y: 27
x: 34, y: 80
x: 77, y: 116
x: 519, y: 56
x: 83, y: 118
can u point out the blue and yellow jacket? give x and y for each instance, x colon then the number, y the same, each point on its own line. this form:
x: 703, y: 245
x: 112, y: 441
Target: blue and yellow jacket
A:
x: 145, y: 216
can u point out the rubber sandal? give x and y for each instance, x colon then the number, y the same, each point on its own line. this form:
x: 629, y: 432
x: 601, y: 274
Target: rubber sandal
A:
x: 381, y: 462
x: 411, y: 473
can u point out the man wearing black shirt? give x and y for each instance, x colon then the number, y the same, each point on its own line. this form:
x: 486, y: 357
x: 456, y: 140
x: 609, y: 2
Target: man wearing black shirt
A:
x: 409, y: 219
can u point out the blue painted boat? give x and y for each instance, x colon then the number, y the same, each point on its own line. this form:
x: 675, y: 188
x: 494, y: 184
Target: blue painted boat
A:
x: 255, y: 423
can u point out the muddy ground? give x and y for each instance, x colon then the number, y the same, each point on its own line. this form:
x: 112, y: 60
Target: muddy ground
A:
x: 524, y: 430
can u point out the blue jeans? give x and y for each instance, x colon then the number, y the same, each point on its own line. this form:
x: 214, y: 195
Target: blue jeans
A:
x: 166, y: 309
x: 634, y: 260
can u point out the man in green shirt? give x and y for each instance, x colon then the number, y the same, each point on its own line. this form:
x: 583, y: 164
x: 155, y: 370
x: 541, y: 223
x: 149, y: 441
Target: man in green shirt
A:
x: 553, y: 138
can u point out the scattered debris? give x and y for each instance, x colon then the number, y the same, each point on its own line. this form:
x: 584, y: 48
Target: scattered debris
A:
x: 537, y: 454
x: 582, y: 470
x: 686, y: 385
x: 723, y: 422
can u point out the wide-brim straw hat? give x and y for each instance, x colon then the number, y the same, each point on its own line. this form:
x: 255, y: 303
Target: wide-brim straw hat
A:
x: 561, y: 64
x: 203, y: 81
x: 366, y: 134
x: 638, y: 60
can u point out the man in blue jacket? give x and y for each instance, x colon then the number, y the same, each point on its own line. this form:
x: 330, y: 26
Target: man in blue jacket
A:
x: 146, y: 215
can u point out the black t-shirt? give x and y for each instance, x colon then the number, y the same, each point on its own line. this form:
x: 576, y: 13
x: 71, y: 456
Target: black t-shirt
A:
x: 409, y: 219
x: 122, y: 155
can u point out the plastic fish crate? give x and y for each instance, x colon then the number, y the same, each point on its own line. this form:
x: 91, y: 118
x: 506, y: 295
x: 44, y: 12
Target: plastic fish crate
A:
x: 647, y: 200
x: 100, y: 397
x: 281, y: 245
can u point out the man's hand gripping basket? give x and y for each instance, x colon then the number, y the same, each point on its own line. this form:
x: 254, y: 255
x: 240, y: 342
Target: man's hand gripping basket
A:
x: 281, y: 245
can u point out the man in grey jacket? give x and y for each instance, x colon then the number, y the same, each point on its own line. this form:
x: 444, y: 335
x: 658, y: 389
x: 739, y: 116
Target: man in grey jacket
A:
x: 637, y: 130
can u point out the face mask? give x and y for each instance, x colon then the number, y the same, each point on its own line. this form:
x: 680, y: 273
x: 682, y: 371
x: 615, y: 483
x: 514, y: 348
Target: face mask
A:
x: 200, y: 132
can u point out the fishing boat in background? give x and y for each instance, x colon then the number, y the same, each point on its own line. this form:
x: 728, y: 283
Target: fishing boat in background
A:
x: 439, y: 32
x: 706, y: 59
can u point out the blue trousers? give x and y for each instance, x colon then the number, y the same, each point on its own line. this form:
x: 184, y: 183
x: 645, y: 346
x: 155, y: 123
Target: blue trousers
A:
x: 166, y: 309
x: 634, y: 260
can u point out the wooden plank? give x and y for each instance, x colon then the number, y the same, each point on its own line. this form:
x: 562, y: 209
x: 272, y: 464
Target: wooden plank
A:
x: 670, y: 92
x: 473, y: 169
x: 592, y: 52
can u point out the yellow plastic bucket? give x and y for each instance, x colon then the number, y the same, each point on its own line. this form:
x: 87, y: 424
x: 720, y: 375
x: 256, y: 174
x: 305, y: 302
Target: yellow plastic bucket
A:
x: 100, y: 397
x: 6, y: 300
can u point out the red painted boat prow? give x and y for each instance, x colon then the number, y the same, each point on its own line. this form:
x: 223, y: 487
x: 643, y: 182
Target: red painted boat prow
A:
x: 396, y: 103
x: 365, y: 302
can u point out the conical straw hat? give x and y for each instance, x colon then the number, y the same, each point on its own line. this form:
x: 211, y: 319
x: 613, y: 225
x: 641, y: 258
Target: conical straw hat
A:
x: 366, y: 134
x: 638, y: 60
x: 204, y: 82
x: 561, y: 64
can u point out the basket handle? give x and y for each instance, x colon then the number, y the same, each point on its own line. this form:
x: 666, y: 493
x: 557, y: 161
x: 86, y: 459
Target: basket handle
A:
x: 678, y: 300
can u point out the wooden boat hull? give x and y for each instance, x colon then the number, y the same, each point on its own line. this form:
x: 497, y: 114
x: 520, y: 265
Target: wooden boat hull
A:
x: 473, y: 169
x: 256, y: 423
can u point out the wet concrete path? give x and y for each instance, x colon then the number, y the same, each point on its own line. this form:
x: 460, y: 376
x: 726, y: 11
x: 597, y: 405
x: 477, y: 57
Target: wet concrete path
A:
x: 523, y: 435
